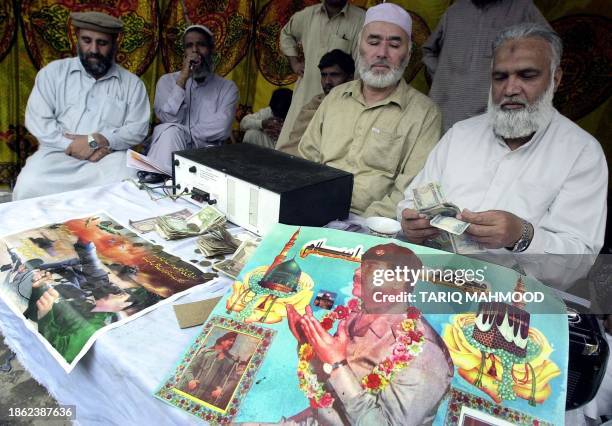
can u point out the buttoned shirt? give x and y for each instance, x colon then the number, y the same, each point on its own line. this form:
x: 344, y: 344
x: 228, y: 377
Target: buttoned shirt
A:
x: 317, y: 34
x: 557, y: 181
x: 383, y: 145
x: 66, y: 99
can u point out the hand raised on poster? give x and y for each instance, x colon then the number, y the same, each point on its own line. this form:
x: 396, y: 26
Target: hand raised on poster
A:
x: 293, y: 319
x: 329, y: 349
x: 40, y: 277
x: 193, y: 384
x: 45, y: 302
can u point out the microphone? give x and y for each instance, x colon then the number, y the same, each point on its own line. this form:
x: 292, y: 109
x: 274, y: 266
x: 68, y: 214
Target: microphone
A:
x: 191, y: 64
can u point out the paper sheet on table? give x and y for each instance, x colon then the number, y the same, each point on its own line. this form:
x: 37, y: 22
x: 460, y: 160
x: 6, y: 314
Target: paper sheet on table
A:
x: 138, y: 161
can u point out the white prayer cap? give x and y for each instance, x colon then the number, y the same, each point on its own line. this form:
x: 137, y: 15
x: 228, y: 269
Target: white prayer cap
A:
x: 392, y: 13
x: 199, y: 27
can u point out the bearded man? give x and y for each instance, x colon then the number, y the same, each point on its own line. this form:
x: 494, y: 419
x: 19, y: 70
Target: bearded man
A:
x: 195, y: 106
x: 528, y: 178
x: 378, y: 127
x: 84, y: 112
x: 458, y: 53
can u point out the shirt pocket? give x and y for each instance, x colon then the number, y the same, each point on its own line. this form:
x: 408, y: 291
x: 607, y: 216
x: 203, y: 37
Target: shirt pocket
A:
x: 113, y: 112
x: 339, y: 42
x: 383, y: 150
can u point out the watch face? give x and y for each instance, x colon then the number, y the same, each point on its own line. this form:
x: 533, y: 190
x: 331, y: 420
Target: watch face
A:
x: 327, y: 368
x: 92, y: 142
x: 522, y: 245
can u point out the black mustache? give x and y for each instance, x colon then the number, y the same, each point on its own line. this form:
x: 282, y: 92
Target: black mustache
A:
x: 94, y: 55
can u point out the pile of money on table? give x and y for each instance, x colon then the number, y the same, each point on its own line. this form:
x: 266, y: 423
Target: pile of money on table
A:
x: 173, y: 228
x: 217, y: 241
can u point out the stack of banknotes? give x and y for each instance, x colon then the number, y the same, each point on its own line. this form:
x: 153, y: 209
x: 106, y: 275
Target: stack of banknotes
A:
x: 174, y: 228
x: 429, y: 200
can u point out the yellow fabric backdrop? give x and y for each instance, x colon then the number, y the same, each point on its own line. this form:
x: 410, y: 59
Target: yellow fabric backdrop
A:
x: 34, y: 32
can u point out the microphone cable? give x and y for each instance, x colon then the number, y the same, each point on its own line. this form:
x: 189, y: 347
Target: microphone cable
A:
x: 191, y: 142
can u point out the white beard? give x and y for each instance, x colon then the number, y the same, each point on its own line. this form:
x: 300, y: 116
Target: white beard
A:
x: 510, y: 124
x: 380, y: 80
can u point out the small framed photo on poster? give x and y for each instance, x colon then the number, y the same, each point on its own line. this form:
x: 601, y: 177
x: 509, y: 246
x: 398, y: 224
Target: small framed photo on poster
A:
x: 217, y: 370
x: 472, y: 417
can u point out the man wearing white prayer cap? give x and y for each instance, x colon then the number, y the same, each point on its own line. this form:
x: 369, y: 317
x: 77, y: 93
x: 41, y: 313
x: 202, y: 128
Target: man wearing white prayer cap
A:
x: 196, y: 107
x: 378, y: 127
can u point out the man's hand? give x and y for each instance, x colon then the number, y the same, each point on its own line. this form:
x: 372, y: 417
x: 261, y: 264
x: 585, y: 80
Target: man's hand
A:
x: 80, y: 149
x: 217, y: 392
x: 99, y: 154
x: 193, y: 384
x: 272, y: 126
x: 190, y: 61
x: 493, y: 228
x: 296, y: 65
x: 329, y: 349
x: 293, y: 319
x: 40, y: 277
x: 416, y: 227
x: 45, y: 302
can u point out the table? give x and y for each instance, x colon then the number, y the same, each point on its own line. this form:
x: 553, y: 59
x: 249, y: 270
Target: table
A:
x: 114, y: 382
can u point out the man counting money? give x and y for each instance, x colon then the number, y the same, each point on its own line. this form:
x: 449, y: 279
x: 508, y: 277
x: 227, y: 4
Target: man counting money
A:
x: 527, y: 178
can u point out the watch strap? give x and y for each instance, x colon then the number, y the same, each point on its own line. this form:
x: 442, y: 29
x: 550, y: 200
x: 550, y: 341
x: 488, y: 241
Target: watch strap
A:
x: 91, y: 141
x: 523, y: 242
x: 331, y: 367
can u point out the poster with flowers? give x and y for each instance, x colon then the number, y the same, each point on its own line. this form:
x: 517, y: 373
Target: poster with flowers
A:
x: 364, y: 333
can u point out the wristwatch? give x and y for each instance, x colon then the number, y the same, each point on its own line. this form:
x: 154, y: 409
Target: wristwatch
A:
x: 329, y: 368
x: 524, y: 241
x: 91, y: 141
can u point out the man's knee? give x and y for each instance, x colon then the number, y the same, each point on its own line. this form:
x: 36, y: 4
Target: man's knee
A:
x: 252, y: 136
x: 28, y: 185
x: 173, y: 138
x: 257, y: 137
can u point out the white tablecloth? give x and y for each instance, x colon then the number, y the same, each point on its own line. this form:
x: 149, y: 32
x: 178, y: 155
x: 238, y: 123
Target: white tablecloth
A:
x: 114, y: 382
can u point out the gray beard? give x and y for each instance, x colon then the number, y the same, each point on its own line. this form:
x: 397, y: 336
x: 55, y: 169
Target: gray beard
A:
x: 205, y: 69
x: 522, y: 123
x: 380, y: 80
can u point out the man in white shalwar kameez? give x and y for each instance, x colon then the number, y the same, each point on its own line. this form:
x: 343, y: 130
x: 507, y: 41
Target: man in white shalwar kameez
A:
x: 195, y: 106
x: 527, y: 178
x: 85, y: 113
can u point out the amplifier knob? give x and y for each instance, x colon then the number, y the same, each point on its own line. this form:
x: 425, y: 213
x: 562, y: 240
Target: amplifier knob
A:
x: 192, y: 169
x: 177, y: 162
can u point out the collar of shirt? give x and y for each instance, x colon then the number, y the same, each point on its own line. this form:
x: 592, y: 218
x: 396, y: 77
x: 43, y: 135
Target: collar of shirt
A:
x: 76, y: 65
x: 400, y: 96
x: 537, y: 136
x: 342, y: 12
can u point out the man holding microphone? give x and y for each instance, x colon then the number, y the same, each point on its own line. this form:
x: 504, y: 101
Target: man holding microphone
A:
x: 195, y: 106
